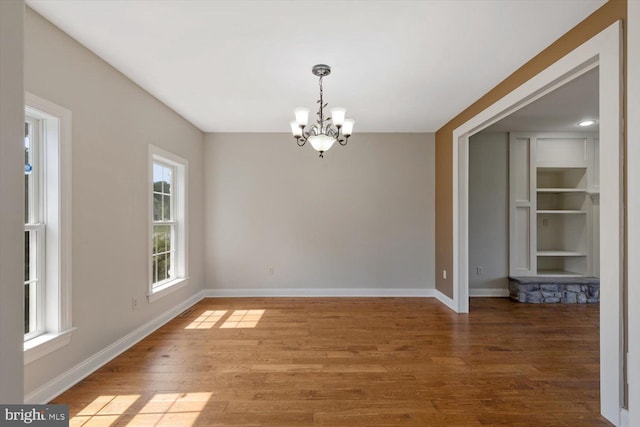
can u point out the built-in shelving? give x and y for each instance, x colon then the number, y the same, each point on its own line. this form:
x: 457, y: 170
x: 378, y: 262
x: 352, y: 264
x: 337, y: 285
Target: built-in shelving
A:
x: 561, y: 210
x: 553, y: 191
x: 556, y: 273
x: 561, y: 190
x: 560, y: 253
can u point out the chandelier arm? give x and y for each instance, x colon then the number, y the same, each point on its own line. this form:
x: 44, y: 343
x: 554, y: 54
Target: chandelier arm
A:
x: 302, y: 139
x: 313, y: 130
x: 343, y: 140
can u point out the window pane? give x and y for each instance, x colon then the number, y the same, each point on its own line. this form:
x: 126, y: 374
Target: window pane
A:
x: 26, y: 198
x: 162, y: 241
x: 30, y: 311
x: 154, y: 241
x: 161, y: 178
x: 27, y: 308
x: 166, y: 208
x: 167, y: 265
x: 168, y: 180
x: 31, y: 280
x: 168, y: 238
x: 27, y: 160
x: 27, y: 260
x: 154, y: 269
x: 161, y: 238
x: 162, y: 267
x: 162, y: 256
x: 157, y: 207
x: 157, y: 177
x: 169, y: 256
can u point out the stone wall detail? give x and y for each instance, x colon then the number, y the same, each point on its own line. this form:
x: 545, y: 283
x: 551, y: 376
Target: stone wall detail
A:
x: 558, y: 290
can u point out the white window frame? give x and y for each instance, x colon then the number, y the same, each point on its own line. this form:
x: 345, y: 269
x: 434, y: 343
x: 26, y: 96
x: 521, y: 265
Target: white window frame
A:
x: 55, y: 329
x: 179, y: 222
x: 36, y: 223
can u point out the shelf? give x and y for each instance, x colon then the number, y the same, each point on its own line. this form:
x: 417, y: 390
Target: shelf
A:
x: 558, y: 273
x: 559, y: 253
x: 561, y: 211
x: 561, y: 190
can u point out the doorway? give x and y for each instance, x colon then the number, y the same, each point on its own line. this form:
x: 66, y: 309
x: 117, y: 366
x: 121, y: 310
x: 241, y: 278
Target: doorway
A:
x: 602, y: 51
x: 562, y: 241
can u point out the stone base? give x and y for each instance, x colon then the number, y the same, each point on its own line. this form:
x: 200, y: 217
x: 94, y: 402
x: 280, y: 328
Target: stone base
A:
x: 564, y: 290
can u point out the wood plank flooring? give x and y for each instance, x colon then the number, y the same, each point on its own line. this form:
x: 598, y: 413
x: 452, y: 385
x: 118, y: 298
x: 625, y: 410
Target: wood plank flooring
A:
x: 353, y: 362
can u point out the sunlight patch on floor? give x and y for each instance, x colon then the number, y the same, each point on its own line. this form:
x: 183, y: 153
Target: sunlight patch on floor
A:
x: 171, y: 409
x: 162, y: 409
x: 207, y: 320
x: 243, y: 319
x: 104, y: 410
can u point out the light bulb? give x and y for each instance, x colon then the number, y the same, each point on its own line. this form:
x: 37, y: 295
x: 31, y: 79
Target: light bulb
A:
x: 337, y: 116
x: 302, y: 116
x: 587, y: 122
x: 347, y: 127
x: 295, y: 129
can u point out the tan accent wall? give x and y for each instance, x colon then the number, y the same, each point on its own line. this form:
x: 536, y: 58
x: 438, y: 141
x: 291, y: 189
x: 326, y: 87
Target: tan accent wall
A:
x: 609, y: 13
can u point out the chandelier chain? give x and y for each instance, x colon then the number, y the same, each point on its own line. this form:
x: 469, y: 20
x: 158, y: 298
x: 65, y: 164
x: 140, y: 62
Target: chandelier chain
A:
x: 321, y: 110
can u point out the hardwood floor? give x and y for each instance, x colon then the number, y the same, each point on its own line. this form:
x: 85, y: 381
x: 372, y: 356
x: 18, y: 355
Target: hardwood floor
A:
x: 354, y: 362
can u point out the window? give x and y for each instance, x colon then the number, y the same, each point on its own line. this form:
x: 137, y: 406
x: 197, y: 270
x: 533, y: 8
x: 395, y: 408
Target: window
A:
x: 34, y: 230
x: 168, y: 269
x: 164, y: 224
x: 47, y: 229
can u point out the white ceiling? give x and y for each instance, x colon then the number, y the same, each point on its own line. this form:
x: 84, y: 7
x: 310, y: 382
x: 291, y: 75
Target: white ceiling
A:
x: 243, y: 66
x: 560, y: 110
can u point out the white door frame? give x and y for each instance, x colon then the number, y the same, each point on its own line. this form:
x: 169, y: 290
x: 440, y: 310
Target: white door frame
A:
x: 633, y: 210
x: 603, y: 51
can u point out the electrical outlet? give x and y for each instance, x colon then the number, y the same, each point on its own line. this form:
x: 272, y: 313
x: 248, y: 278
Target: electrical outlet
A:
x: 444, y: 274
x: 134, y: 303
x: 479, y: 270
x: 271, y: 270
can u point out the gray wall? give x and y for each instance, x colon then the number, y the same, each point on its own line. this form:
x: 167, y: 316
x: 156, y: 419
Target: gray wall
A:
x: 114, y: 120
x: 12, y: 190
x: 362, y: 218
x: 488, y: 211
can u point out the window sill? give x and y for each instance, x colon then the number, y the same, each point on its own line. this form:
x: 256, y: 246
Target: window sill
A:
x: 44, y: 344
x: 167, y: 288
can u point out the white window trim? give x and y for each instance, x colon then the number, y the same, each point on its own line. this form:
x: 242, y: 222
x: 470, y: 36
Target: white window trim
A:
x: 57, y: 216
x: 36, y: 222
x: 44, y: 344
x: 180, y: 216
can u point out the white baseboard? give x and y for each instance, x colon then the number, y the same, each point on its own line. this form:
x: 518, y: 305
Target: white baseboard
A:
x: 319, y: 292
x: 488, y: 292
x: 64, y: 381
x: 445, y: 300
x: 624, y: 418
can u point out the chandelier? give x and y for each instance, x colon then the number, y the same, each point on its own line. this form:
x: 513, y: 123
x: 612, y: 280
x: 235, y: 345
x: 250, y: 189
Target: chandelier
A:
x: 327, y: 130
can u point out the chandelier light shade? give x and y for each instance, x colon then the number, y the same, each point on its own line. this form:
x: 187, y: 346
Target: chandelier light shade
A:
x: 327, y: 130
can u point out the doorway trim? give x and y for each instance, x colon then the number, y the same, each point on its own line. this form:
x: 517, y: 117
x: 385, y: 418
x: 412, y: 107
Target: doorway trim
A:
x: 603, y: 51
